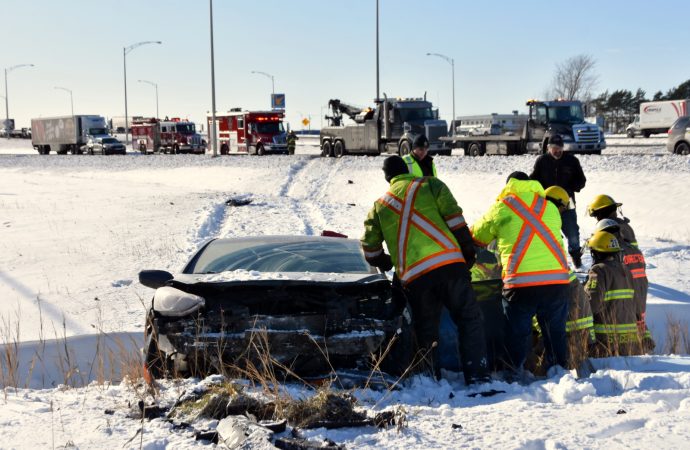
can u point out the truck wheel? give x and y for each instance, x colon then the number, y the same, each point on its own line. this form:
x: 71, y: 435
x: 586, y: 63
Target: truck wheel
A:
x: 475, y: 149
x: 631, y: 133
x: 404, y: 148
x: 646, y: 133
x: 326, y: 149
x: 260, y: 150
x: 338, y: 149
x: 683, y: 148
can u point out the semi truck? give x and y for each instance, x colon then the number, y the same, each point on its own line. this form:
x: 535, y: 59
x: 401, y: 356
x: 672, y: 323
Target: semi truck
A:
x: 545, y: 119
x: 151, y: 135
x: 656, y: 117
x: 250, y: 132
x: 390, y: 127
x: 66, y: 134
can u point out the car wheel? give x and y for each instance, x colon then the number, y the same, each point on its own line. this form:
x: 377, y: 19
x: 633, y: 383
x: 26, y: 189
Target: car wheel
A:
x: 326, y: 149
x: 475, y: 149
x: 683, y: 148
x: 404, y: 148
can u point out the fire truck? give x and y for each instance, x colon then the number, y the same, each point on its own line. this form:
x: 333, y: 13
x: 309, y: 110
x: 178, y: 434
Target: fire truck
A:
x: 166, y: 136
x: 252, y: 132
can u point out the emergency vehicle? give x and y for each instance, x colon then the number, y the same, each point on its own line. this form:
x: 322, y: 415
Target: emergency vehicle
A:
x: 166, y: 136
x: 252, y: 132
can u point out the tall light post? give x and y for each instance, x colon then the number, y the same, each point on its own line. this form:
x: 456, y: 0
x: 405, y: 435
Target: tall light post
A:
x: 273, y: 80
x: 155, y: 85
x: 450, y: 61
x: 212, y: 130
x: 125, y: 51
x: 7, y: 102
x: 71, y: 99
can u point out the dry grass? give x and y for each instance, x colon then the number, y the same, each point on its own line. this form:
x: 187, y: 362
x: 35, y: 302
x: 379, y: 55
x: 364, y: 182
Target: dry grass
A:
x: 677, y: 336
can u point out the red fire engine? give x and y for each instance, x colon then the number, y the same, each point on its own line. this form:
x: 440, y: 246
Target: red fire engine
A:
x: 253, y: 132
x: 166, y: 136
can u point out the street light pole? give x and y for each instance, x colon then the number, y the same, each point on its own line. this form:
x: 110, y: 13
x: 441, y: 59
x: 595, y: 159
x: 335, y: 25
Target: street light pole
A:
x: 71, y: 99
x: 212, y: 130
x: 155, y: 85
x: 7, y: 102
x: 450, y: 61
x: 126, y: 50
x: 273, y: 84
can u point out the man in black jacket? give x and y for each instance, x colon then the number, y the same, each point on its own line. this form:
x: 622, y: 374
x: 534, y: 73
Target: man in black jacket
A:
x: 558, y: 168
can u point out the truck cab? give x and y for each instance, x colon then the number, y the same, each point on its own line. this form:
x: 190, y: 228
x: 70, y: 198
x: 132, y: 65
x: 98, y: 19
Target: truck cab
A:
x: 562, y: 117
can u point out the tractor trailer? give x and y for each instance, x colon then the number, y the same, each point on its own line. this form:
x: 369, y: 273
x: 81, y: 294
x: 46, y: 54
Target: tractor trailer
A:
x: 66, y: 134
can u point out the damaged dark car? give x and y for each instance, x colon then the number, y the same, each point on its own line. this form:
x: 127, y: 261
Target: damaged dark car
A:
x: 304, y: 304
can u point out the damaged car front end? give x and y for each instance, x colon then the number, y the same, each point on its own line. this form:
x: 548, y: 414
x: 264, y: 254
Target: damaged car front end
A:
x: 302, y: 305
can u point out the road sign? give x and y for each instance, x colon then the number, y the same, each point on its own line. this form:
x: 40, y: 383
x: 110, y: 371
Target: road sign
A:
x: 278, y: 101
x: 305, y: 121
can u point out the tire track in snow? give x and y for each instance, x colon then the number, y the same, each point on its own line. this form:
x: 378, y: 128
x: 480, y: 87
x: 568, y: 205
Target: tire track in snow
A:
x: 301, y: 210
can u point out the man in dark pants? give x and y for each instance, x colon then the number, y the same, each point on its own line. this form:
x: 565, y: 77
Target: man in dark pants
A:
x: 535, y: 269
x: 558, y: 168
x: 431, y: 249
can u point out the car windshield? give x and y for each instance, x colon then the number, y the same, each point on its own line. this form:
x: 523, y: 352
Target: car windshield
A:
x: 97, y: 131
x: 414, y: 114
x: 681, y: 122
x: 332, y: 255
x: 566, y: 114
x: 269, y: 127
x: 110, y: 141
x: 185, y: 128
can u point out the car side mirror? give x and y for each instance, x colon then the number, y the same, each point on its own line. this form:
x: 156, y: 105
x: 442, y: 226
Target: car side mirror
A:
x: 154, y: 278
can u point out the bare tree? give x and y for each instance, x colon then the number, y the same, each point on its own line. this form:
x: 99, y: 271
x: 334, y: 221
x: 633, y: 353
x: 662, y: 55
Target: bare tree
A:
x: 575, y: 78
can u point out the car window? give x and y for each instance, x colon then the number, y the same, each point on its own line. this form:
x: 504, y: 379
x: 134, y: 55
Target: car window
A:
x: 681, y: 122
x: 319, y: 256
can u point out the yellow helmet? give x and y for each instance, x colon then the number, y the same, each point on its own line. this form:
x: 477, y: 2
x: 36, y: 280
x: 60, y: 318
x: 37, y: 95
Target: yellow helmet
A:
x: 600, y: 202
x: 558, y: 195
x: 604, y: 242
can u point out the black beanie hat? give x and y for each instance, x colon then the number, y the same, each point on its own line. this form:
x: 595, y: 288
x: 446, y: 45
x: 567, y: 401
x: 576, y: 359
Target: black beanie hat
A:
x: 393, y: 166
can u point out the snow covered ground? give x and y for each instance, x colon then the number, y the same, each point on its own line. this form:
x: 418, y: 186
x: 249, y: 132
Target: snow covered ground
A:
x: 76, y: 230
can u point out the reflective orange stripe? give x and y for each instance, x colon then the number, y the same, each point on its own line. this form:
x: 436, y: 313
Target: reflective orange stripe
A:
x: 638, y: 273
x: 533, y: 226
x: 408, y: 216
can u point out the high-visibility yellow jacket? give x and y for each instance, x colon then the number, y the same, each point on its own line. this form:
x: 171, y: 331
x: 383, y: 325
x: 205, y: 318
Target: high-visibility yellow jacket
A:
x: 611, y: 295
x: 415, y: 218
x: 414, y: 168
x: 527, y: 229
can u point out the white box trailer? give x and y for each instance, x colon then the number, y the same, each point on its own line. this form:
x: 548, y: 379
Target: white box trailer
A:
x: 67, y: 133
x: 657, y: 117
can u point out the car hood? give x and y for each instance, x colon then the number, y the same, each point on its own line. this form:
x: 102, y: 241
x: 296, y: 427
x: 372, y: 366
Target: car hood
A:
x: 244, y: 277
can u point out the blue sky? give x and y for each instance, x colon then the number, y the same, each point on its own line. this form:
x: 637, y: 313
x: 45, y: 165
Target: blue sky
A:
x: 505, y: 52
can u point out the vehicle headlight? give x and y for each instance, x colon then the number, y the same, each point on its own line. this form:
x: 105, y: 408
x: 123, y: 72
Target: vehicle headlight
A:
x: 172, y: 302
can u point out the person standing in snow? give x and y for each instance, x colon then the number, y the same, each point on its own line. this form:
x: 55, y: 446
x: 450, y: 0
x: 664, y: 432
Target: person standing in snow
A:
x: 610, y: 291
x: 419, y: 162
x: 535, y: 273
x: 432, y: 251
x: 558, y: 168
x: 291, y: 142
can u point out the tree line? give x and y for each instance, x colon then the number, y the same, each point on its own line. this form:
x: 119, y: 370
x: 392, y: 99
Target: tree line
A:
x: 576, y: 78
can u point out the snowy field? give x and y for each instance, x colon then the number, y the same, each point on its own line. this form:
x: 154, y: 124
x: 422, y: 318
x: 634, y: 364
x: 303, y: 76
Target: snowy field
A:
x: 76, y: 230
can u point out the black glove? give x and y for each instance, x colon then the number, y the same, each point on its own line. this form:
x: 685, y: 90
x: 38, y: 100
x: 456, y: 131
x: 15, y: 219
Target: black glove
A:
x: 382, y: 261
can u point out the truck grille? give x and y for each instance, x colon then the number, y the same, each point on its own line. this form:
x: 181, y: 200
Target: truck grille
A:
x: 434, y: 132
x: 586, y: 134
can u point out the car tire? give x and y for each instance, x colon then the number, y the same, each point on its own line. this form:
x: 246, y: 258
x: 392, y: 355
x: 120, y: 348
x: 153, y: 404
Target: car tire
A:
x: 404, y: 148
x: 339, y: 149
x: 475, y: 149
x: 326, y: 149
x: 683, y: 148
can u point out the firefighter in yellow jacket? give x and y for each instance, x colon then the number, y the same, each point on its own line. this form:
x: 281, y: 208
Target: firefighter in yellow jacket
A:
x: 431, y: 249
x: 535, y: 269
x: 611, y: 295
